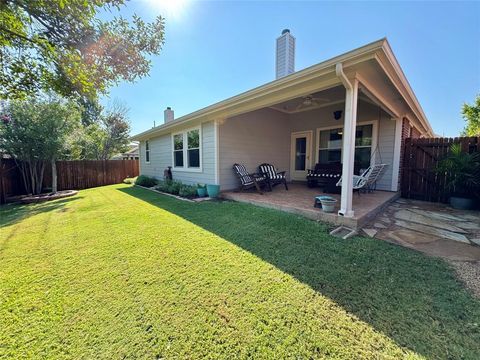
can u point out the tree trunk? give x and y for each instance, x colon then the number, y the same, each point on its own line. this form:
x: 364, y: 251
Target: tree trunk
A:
x: 40, y: 177
x: 54, y: 176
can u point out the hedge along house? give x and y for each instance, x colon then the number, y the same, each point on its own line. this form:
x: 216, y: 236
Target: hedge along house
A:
x: 354, y: 108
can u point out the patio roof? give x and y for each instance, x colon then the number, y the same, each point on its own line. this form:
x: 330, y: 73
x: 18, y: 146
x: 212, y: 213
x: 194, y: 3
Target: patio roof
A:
x: 374, y: 65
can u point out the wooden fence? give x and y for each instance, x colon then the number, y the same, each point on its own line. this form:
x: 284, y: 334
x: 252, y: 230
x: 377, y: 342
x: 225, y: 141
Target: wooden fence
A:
x: 78, y: 174
x: 419, y: 180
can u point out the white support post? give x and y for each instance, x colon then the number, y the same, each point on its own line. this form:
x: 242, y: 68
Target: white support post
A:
x: 348, y: 147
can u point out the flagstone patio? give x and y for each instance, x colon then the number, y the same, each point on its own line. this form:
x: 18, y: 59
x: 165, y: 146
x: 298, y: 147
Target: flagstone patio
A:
x: 435, y: 229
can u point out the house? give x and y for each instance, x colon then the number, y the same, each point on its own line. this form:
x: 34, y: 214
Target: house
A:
x: 131, y: 154
x: 356, y: 107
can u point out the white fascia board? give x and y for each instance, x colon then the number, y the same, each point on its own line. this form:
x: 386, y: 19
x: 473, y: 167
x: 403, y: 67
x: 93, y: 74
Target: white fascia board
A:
x: 315, y: 72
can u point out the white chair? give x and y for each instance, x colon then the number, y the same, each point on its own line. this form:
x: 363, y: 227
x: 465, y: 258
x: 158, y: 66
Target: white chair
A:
x: 368, y: 179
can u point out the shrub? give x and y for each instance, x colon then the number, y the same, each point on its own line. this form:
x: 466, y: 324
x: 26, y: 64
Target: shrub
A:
x: 177, y: 188
x: 173, y: 187
x: 130, y: 180
x: 162, y: 186
x: 146, y: 181
x: 188, y: 191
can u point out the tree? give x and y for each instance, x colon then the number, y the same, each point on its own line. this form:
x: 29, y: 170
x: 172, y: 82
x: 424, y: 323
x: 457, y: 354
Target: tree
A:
x: 471, y: 114
x: 108, y: 135
x: 62, y: 46
x: 37, y: 132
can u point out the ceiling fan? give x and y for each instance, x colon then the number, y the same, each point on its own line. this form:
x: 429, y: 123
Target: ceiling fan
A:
x: 310, y: 100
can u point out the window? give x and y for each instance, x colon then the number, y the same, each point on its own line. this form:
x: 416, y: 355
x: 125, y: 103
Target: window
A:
x: 147, y: 152
x: 178, y: 150
x: 187, y: 150
x: 193, y: 141
x: 330, y: 145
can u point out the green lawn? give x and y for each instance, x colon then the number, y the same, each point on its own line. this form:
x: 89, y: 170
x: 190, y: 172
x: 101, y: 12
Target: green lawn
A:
x: 121, y: 272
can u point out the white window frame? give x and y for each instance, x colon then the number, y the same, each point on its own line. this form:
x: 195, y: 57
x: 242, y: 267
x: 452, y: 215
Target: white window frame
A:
x: 374, y: 124
x: 185, y: 167
x: 147, y: 150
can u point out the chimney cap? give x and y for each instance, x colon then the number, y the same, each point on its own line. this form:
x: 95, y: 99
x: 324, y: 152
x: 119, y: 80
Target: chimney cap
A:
x: 285, y: 31
x: 169, y: 108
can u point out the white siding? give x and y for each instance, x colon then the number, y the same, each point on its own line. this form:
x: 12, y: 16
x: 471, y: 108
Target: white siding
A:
x: 161, y: 158
x: 252, y: 139
x: 386, y: 144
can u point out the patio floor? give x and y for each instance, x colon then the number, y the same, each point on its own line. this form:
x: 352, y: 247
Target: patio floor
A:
x: 299, y: 200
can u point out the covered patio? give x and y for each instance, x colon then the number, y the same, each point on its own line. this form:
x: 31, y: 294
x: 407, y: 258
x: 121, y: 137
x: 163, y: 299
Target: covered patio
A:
x: 299, y: 199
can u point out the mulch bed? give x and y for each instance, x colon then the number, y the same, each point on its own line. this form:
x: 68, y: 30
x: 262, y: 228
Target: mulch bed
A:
x: 47, y: 197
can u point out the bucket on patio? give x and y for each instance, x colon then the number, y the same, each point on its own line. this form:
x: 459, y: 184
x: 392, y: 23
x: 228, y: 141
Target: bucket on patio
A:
x: 328, y: 203
x: 213, y: 190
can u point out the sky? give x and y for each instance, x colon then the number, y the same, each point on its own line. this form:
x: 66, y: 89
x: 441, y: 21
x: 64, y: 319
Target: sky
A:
x: 217, y: 49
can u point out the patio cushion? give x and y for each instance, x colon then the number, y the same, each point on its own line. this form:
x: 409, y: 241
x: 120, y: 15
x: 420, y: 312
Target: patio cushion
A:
x: 245, y: 177
x: 271, y: 172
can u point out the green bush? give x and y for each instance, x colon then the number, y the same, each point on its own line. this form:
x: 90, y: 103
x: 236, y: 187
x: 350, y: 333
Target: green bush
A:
x: 146, y: 181
x: 130, y: 180
x: 174, y: 187
x: 188, y: 191
x: 177, y: 188
x: 162, y: 186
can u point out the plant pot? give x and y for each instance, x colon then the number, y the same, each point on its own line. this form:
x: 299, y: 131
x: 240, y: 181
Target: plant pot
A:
x: 201, y: 192
x: 213, y: 190
x: 328, y: 203
x: 462, y: 203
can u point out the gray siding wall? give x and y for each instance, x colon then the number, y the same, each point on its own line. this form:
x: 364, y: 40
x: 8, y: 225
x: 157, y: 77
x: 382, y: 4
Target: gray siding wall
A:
x: 251, y: 139
x: 161, y: 157
x: 323, y: 117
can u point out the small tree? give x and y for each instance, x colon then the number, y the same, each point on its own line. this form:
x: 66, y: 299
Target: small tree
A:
x: 108, y: 135
x: 471, y: 114
x: 36, y: 133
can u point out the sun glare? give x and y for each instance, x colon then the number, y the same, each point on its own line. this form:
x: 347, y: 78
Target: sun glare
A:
x: 169, y: 8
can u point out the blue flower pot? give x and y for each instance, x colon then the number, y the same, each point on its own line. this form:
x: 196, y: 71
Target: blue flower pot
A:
x: 213, y: 190
x: 201, y: 192
x: 462, y: 203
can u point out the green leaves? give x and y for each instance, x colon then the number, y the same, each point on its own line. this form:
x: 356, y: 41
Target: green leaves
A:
x: 62, y: 46
x: 462, y: 171
x: 39, y: 128
x: 471, y: 114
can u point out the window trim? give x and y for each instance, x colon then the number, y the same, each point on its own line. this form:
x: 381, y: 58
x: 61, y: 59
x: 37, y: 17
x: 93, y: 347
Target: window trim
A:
x: 147, y: 150
x: 185, y: 167
x: 374, y: 145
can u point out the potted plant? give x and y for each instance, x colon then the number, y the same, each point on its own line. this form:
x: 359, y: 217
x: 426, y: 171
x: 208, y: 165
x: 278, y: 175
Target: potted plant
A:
x: 213, y: 190
x: 201, y: 190
x: 462, y: 177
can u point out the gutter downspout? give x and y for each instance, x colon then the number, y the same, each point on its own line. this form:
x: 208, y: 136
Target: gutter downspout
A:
x: 348, y: 148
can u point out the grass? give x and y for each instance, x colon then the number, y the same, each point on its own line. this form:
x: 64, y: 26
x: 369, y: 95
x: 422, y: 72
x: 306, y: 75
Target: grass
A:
x: 121, y: 272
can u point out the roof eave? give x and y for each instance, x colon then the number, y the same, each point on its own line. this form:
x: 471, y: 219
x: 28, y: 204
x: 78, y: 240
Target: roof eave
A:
x: 320, y: 69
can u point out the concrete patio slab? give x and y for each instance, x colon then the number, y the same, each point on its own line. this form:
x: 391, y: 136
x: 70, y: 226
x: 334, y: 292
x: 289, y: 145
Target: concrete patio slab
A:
x: 299, y: 199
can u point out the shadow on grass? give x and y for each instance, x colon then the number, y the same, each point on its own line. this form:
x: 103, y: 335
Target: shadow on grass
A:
x: 413, y: 299
x: 13, y: 213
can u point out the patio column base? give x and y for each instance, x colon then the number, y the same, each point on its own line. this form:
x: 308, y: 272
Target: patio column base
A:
x: 347, y: 214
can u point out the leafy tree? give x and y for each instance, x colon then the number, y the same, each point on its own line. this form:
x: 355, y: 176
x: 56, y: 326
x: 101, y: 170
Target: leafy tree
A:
x: 471, y: 114
x: 37, y: 132
x: 108, y: 135
x: 62, y: 46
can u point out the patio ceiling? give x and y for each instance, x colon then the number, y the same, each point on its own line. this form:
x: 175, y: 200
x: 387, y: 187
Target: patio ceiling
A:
x: 331, y: 96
